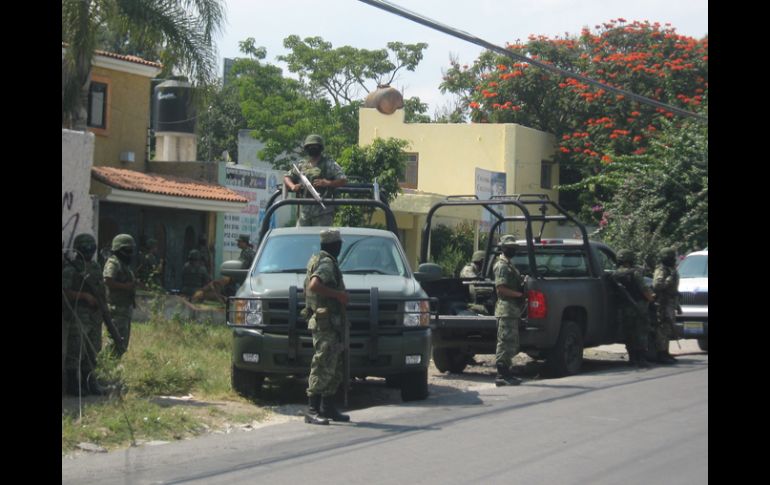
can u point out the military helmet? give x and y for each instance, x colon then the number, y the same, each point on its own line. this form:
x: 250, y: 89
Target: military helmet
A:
x: 123, y: 241
x: 313, y: 140
x: 194, y: 255
x: 84, y: 242
x: 626, y: 256
x: 508, y: 241
x: 667, y: 254
x: 244, y: 238
x: 330, y: 235
x: 478, y: 256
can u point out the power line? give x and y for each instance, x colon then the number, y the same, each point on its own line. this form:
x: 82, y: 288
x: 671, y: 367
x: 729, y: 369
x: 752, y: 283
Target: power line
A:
x: 420, y: 19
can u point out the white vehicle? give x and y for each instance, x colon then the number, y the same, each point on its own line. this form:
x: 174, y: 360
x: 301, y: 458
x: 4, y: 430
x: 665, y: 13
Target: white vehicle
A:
x: 694, y: 298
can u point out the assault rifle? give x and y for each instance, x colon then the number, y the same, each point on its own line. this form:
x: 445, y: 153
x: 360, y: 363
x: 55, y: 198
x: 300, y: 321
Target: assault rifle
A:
x: 306, y: 183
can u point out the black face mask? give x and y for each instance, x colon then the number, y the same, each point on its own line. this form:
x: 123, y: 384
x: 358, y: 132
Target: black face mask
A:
x: 313, y: 150
x: 333, y: 249
x: 668, y: 261
x: 509, y: 253
x: 125, y: 255
x: 88, y: 252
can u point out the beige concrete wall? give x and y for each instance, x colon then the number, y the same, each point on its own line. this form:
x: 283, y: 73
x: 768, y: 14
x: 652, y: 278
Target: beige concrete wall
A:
x: 77, y: 213
x: 128, y: 117
x: 448, y: 157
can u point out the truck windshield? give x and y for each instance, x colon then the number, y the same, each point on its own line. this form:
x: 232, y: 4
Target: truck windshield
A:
x: 360, y: 255
x: 694, y: 266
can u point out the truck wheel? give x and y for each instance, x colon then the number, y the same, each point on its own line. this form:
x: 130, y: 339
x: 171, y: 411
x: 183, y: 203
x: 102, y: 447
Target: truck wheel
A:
x: 566, y: 357
x: 452, y: 360
x: 703, y: 343
x: 245, y: 383
x: 393, y: 382
x: 414, y: 386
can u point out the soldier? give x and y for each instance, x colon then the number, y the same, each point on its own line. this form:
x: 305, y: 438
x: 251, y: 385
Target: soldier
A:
x: 194, y: 274
x: 633, y: 314
x: 324, y: 173
x: 510, y: 300
x: 665, y: 282
x: 325, y: 301
x: 478, y: 294
x: 121, y: 284
x: 83, y: 285
x: 149, y: 272
x: 473, y: 269
x: 247, y: 253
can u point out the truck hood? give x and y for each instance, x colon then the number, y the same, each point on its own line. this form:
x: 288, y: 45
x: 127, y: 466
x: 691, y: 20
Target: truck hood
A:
x: 277, y: 285
x: 694, y: 285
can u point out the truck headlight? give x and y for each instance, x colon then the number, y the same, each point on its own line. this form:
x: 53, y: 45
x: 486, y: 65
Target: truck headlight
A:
x: 248, y: 312
x: 417, y: 313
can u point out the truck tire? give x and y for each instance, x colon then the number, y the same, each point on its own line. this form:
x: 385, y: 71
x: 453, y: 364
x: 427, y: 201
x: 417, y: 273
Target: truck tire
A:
x: 414, y: 386
x: 703, y: 343
x: 566, y: 357
x: 452, y: 360
x: 245, y: 383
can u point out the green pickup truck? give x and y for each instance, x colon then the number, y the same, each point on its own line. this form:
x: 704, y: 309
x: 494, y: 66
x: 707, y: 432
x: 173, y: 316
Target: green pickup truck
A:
x: 388, y: 313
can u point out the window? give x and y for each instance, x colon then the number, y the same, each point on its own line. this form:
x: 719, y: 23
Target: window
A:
x: 97, y: 105
x: 546, y: 178
x: 409, y: 181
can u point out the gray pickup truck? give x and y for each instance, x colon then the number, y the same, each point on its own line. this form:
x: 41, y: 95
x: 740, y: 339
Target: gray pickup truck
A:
x: 388, y: 311
x: 571, y: 301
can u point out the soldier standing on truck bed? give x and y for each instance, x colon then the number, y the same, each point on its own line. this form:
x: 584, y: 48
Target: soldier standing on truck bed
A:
x: 478, y: 294
x: 665, y: 282
x: 633, y: 314
x: 324, y: 173
x: 510, y: 299
x: 325, y: 301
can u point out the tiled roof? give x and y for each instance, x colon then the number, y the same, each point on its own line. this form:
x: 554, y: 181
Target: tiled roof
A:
x: 164, y: 184
x: 122, y: 57
x: 137, y: 60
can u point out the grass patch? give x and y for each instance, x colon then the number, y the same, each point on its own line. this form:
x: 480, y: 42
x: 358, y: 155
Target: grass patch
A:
x: 165, y: 358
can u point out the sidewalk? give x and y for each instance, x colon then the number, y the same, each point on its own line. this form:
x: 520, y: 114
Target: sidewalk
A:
x: 685, y: 346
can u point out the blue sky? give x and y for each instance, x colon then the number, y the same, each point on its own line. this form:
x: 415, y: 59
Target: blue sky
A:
x: 351, y: 22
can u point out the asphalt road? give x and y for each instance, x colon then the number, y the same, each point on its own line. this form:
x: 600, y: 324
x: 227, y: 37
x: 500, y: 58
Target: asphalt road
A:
x: 613, y: 424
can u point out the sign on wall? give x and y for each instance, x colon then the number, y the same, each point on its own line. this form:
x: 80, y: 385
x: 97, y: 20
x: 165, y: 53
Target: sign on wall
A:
x: 489, y: 184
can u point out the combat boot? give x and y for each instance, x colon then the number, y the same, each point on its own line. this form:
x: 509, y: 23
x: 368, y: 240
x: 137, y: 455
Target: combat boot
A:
x: 329, y: 410
x: 505, y: 378
x: 94, y: 387
x: 313, y: 409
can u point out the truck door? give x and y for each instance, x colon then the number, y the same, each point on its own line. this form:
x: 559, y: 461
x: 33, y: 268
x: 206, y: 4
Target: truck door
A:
x: 607, y: 266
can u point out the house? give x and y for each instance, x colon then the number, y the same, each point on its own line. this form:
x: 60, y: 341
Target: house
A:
x: 170, y: 200
x: 480, y: 159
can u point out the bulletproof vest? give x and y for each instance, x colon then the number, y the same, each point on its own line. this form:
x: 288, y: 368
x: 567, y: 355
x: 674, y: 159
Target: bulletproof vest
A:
x: 671, y: 292
x: 625, y: 276
x: 313, y: 300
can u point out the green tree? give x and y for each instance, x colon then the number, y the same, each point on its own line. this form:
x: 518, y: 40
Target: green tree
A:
x: 178, y: 31
x: 325, y: 99
x: 594, y: 126
x: 219, y: 123
x: 384, y: 160
x: 660, y: 197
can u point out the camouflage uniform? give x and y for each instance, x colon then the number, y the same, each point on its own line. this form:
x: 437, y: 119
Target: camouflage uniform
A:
x: 120, y: 302
x: 634, y: 318
x: 507, y: 310
x: 247, y: 254
x: 315, y: 215
x: 194, y: 274
x: 84, y: 326
x: 477, y: 293
x: 665, y: 282
x: 149, y: 267
x: 326, y: 326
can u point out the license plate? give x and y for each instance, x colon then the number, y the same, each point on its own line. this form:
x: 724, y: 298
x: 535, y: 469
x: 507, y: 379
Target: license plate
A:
x: 693, y: 328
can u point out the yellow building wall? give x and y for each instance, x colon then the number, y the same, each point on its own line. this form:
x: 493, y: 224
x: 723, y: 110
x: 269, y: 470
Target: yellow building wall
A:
x: 128, y: 118
x: 448, y: 155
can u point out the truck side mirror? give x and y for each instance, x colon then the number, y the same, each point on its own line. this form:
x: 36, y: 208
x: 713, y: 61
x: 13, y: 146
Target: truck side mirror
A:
x: 234, y: 269
x: 428, y: 272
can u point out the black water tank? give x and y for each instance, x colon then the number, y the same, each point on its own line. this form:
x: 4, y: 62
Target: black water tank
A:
x: 174, y: 110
